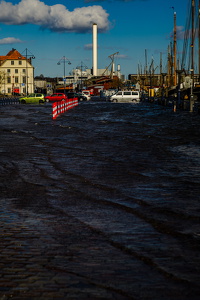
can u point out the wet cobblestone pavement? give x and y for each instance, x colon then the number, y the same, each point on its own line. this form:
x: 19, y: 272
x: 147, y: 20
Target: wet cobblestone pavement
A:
x: 92, y: 208
x: 34, y: 265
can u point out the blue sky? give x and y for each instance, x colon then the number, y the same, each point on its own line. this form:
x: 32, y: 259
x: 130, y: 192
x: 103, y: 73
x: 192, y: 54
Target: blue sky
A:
x: 52, y: 29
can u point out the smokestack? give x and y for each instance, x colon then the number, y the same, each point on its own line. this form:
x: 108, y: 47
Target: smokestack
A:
x: 118, y: 71
x: 94, y: 49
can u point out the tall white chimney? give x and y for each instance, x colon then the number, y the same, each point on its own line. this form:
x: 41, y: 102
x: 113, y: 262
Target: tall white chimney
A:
x: 94, y: 49
x: 118, y: 71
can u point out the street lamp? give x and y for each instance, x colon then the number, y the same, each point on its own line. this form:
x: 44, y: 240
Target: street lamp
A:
x: 64, y: 60
x: 29, y: 55
x: 179, y: 72
x: 163, y: 85
x: 81, y: 67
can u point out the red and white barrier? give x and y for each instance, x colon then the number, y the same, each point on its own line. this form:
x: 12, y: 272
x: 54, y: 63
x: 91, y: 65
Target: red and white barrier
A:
x: 59, y: 107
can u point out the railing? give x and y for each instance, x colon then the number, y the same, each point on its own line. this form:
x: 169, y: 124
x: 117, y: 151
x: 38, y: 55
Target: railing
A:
x: 183, y: 104
x: 9, y: 100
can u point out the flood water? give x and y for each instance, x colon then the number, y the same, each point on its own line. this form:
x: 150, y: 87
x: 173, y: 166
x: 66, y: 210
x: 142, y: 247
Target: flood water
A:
x: 128, y: 173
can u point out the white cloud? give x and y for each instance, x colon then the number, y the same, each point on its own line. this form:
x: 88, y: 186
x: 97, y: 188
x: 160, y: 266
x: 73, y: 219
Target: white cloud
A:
x: 122, y: 56
x: 180, y: 32
x: 55, y: 18
x: 10, y: 40
x: 88, y: 46
x: 88, y: 1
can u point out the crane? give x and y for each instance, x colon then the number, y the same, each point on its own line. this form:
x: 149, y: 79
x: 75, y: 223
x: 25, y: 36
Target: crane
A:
x: 112, y: 57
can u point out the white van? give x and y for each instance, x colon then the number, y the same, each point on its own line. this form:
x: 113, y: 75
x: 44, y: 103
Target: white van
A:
x: 126, y: 96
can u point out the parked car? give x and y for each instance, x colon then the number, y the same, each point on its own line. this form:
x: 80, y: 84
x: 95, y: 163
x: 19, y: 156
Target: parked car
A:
x: 71, y: 95
x: 126, y: 96
x: 34, y: 98
x: 87, y: 94
x: 56, y: 97
x: 80, y: 96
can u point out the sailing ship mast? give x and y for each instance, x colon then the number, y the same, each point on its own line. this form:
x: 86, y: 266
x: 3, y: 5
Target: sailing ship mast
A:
x: 192, y: 59
x: 170, y: 66
x: 146, y: 72
x: 174, y: 50
x: 199, y: 38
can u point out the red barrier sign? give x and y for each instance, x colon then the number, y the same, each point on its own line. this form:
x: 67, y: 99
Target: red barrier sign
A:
x: 59, y: 107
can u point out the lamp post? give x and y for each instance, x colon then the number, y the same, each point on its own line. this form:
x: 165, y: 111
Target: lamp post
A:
x: 179, y: 72
x: 163, y: 87
x: 64, y: 60
x: 82, y: 65
x: 28, y: 56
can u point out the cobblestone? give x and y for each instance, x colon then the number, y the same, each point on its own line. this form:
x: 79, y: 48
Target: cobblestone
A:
x: 35, y: 266
x: 97, y: 210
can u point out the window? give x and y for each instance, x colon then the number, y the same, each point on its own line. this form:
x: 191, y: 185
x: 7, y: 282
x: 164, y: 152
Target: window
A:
x: 127, y: 93
x: 16, y: 79
x: 119, y: 93
x: 16, y: 71
x: 12, y: 62
x: 24, y: 70
x: 20, y: 62
x: 9, y: 90
x: 8, y: 79
x: 24, y: 79
x: 8, y: 70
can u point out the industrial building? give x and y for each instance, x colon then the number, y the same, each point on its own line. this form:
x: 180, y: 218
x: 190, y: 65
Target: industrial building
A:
x: 17, y: 75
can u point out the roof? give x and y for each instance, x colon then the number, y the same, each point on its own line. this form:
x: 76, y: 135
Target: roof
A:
x: 13, y: 54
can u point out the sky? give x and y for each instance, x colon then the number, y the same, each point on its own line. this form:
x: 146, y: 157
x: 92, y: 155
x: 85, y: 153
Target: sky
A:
x: 61, y: 30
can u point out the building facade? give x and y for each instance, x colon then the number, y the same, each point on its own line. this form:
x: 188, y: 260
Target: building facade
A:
x: 16, y: 74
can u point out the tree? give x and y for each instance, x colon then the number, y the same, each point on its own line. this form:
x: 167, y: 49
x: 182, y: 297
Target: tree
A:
x: 2, y: 81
